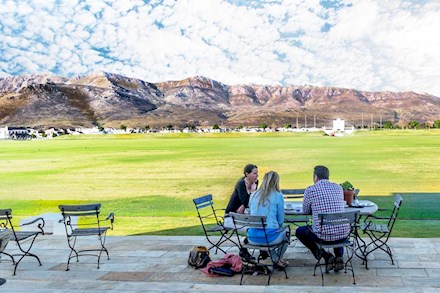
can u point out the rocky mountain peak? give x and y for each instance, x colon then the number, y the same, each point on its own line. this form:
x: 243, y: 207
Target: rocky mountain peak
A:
x: 110, y: 99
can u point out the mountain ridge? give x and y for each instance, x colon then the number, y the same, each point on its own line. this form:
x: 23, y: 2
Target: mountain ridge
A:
x: 109, y: 99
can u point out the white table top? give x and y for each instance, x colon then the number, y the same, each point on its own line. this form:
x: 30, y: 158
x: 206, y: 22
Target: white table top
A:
x: 366, y: 207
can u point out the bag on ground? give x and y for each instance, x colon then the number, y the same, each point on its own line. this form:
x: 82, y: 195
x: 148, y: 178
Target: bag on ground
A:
x: 199, y: 257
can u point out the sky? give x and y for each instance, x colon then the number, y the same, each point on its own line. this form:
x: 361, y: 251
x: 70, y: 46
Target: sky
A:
x: 371, y: 45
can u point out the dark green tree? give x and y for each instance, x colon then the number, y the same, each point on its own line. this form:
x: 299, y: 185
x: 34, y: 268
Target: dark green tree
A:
x: 414, y: 124
x: 388, y: 125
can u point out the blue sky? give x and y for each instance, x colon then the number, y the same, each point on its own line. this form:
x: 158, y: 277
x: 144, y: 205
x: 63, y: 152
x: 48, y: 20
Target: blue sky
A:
x: 372, y: 45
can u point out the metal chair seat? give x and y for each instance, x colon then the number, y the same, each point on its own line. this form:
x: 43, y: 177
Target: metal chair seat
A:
x: 89, y: 231
x: 344, y: 242
x: 382, y: 228
x: 216, y: 228
x: 22, y: 235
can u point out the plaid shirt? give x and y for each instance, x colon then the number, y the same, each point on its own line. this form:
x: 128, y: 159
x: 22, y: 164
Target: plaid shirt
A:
x: 325, y: 197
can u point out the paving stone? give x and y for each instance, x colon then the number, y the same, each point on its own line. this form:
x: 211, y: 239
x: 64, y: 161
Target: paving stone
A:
x: 158, y: 264
x: 125, y: 276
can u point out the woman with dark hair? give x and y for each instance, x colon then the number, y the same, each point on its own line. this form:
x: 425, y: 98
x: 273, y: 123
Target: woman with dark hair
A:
x: 239, y: 200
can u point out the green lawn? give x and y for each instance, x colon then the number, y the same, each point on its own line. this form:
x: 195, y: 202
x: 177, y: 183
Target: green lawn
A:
x: 149, y: 180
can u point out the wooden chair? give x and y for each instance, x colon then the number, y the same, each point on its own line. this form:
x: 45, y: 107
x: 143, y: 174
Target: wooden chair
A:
x: 84, y: 221
x: 22, y: 238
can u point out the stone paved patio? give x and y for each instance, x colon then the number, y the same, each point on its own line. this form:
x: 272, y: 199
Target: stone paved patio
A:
x: 158, y: 264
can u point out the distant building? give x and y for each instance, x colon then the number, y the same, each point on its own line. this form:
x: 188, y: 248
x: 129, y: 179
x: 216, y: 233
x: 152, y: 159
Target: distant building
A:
x: 4, y: 133
x: 338, y: 125
x: 338, y: 128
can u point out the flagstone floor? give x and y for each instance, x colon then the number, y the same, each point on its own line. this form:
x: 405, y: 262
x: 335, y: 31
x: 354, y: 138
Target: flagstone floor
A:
x: 158, y: 264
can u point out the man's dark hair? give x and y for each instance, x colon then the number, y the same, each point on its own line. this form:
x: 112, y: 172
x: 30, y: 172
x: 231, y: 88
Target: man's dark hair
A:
x: 321, y: 172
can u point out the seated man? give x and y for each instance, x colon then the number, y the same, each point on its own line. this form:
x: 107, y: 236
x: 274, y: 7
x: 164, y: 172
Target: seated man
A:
x: 323, y: 197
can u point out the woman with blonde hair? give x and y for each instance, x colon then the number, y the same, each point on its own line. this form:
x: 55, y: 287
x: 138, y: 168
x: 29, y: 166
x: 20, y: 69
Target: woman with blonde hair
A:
x: 269, y: 201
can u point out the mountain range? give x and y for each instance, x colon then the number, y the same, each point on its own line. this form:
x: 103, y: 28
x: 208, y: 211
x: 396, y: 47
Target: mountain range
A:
x: 110, y: 100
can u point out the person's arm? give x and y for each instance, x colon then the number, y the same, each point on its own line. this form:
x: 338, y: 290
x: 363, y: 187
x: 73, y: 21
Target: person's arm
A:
x: 280, y: 209
x: 307, y: 204
x: 242, y: 194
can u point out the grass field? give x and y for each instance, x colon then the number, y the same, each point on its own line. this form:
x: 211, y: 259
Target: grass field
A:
x: 149, y: 180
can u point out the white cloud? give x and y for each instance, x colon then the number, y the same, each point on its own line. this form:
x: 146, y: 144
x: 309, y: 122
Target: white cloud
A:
x: 370, y: 44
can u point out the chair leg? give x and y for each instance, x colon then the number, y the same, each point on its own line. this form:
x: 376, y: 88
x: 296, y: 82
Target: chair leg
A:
x: 378, y: 243
x: 12, y: 258
x: 348, y: 263
x: 22, y: 256
x: 71, y: 241
x: 102, y: 241
x: 225, y: 236
x: 24, y: 253
x: 318, y: 264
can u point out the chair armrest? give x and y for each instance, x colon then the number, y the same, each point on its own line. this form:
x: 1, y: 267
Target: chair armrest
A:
x: 222, y: 218
x: 376, y: 217
x: 39, y: 226
x: 383, y: 210
x: 111, y: 217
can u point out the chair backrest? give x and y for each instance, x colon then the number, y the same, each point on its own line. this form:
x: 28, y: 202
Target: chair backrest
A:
x: 80, y: 210
x: 88, y: 212
x: 293, y: 193
x: 332, y: 219
x: 246, y: 220
x: 5, y: 219
x: 5, y: 214
x: 393, y: 217
x: 205, y: 209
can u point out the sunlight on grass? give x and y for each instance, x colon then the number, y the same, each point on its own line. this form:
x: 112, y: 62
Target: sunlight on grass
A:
x: 149, y: 180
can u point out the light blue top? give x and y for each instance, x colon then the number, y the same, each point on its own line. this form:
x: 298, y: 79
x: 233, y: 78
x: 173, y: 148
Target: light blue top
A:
x: 273, y: 209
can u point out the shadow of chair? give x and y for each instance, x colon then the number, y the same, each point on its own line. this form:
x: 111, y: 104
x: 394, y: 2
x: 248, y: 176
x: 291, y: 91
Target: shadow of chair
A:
x: 84, y: 221
x: 22, y: 238
x: 212, y: 224
x: 273, y: 250
x: 326, y: 221
x: 379, y: 228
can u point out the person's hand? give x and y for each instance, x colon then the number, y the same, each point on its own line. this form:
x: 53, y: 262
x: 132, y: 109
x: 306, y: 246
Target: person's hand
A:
x: 241, y: 209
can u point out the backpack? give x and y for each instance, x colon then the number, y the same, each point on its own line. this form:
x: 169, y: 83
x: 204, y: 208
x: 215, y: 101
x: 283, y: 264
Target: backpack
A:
x: 199, y: 257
